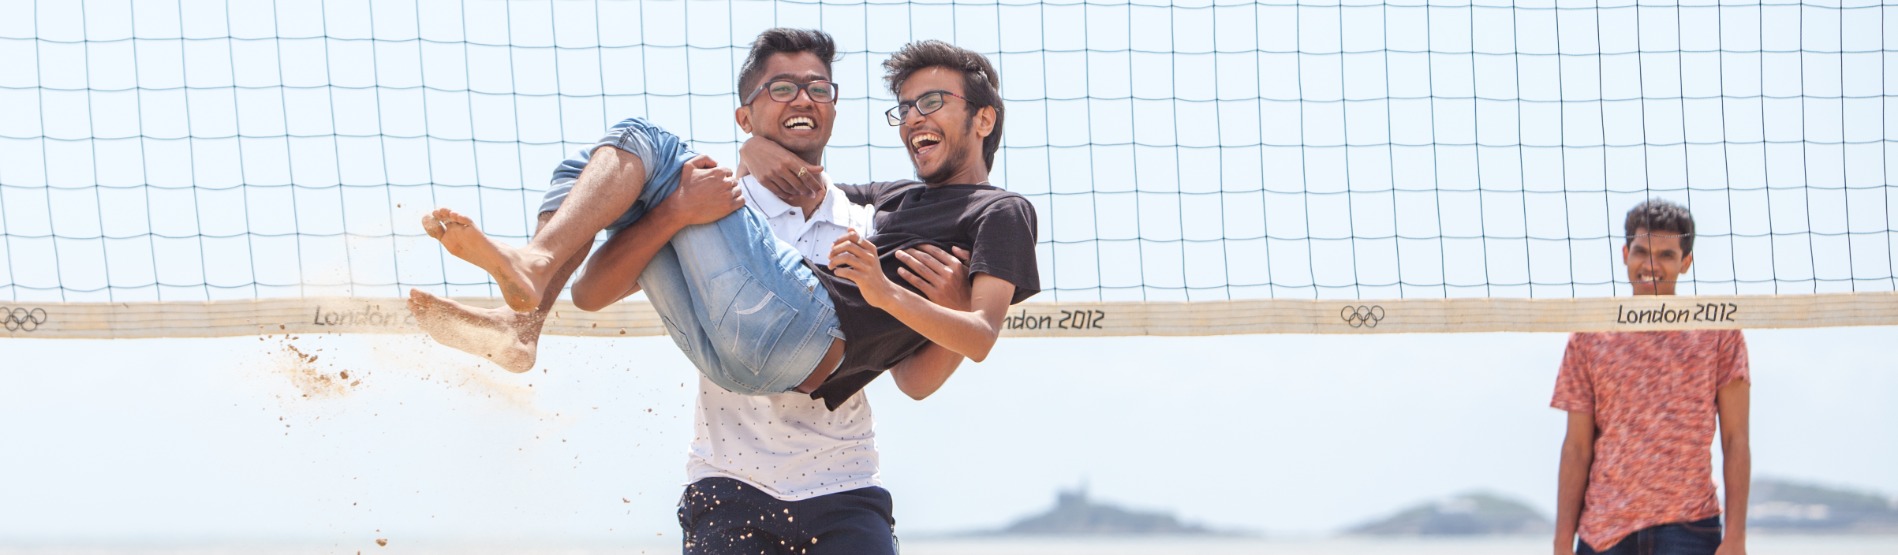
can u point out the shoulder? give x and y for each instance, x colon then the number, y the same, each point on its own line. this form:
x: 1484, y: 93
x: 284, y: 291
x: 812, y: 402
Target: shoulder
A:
x: 993, y: 201
x: 876, y: 192
x: 1597, y: 343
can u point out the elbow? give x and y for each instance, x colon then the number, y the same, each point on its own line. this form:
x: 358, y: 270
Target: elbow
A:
x: 980, y: 352
x: 914, y: 388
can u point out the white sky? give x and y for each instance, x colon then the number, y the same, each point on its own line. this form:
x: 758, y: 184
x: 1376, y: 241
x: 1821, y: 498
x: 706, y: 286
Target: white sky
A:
x: 223, y: 154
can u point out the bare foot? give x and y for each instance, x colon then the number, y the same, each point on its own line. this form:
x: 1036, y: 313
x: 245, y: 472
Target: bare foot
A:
x: 521, y: 273
x: 508, y: 338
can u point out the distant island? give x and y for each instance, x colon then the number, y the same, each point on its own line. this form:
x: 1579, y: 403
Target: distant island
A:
x: 1784, y: 505
x: 1075, y: 514
x: 1469, y: 514
x: 1774, y: 505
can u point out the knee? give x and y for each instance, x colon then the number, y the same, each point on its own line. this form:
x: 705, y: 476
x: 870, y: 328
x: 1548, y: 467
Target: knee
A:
x: 590, y: 299
x: 589, y: 303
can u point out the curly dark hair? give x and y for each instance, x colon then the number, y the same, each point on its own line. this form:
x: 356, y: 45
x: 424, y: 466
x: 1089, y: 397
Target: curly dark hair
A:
x: 1659, y: 215
x: 783, y: 40
x: 981, y: 85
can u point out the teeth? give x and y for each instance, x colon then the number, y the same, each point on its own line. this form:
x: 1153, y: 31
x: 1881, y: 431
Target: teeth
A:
x: 800, y: 121
x: 916, y: 141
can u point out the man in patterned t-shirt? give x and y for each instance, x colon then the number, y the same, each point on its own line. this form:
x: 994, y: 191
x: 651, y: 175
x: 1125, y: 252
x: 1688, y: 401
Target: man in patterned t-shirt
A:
x: 1636, y: 474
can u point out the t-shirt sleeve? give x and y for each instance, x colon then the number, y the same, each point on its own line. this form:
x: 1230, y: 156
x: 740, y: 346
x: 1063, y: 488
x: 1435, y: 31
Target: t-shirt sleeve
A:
x: 1005, y: 245
x: 858, y: 193
x: 1733, y: 364
x: 873, y: 193
x: 1574, y: 392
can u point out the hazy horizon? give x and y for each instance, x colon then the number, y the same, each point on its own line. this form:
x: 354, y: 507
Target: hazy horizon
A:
x: 1291, y: 436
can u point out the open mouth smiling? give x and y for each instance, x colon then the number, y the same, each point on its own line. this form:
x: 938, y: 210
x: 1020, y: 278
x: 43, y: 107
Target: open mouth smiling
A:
x: 800, y: 122
x: 924, y: 142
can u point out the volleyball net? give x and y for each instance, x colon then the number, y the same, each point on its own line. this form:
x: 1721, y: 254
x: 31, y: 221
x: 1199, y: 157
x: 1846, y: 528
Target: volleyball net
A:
x: 208, y: 168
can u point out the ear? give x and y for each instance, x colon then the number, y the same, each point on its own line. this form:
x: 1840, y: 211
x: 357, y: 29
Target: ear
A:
x: 985, y: 121
x: 1687, y: 262
x: 743, y: 115
x: 1624, y: 252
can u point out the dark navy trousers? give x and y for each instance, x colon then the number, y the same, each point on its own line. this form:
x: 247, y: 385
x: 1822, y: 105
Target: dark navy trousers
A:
x: 722, y: 516
x: 1700, y: 537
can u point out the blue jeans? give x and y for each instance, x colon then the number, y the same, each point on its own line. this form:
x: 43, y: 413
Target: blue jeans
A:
x: 740, y: 303
x: 723, y: 516
x: 1700, y: 537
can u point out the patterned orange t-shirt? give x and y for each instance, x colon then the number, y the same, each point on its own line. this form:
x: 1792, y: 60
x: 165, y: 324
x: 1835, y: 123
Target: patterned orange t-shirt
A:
x: 1652, y: 396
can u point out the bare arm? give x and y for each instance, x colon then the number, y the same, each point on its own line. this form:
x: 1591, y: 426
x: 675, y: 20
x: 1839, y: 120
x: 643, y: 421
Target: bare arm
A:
x: 970, y: 333
x: 1578, y: 454
x: 780, y: 171
x: 920, y: 375
x: 705, y: 194
x: 943, y: 278
x: 1737, y: 461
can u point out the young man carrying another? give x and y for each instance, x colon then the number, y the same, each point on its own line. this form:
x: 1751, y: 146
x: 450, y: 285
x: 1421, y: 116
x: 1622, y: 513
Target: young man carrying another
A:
x: 782, y: 473
x: 767, y: 473
x: 1635, y: 476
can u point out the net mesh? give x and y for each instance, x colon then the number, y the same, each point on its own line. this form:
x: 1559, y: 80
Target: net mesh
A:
x: 211, y: 150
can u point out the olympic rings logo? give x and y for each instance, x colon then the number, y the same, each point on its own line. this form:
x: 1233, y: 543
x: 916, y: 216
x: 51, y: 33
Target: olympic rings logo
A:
x: 21, y: 319
x: 1361, y: 316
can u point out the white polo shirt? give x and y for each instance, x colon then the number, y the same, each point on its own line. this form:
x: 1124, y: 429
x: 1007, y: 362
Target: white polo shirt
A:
x: 788, y: 445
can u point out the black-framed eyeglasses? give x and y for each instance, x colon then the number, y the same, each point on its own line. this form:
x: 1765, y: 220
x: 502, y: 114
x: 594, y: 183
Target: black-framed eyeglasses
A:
x: 924, y: 105
x: 785, y: 90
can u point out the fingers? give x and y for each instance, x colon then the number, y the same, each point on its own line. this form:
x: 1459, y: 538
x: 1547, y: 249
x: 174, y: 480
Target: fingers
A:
x: 912, y: 265
x: 925, y: 265
x: 920, y: 283
x: 777, y: 186
x: 962, y: 254
x: 702, y: 162
x: 812, y: 180
x: 941, y: 257
x: 852, y: 252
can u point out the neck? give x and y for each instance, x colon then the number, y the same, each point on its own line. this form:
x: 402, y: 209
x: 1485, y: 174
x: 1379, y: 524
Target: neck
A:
x: 815, y: 157
x: 807, y: 204
x: 973, y: 172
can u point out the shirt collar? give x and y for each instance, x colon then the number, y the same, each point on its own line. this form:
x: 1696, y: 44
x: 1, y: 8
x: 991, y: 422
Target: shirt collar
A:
x: 762, y: 199
x: 835, y: 208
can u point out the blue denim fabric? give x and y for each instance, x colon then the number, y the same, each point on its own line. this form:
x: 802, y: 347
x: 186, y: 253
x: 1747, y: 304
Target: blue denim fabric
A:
x: 1700, y: 537
x: 740, y: 303
x: 663, y: 154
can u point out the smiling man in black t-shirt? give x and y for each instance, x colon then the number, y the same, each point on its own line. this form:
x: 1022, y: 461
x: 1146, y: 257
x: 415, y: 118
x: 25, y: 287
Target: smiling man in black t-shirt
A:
x: 949, y: 117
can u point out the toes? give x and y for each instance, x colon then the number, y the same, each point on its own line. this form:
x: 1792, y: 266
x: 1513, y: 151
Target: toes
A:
x: 453, y: 217
x: 432, y: 226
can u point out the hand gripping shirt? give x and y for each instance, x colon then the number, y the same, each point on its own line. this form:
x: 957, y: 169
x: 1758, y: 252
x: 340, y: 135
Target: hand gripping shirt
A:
x: 995, y: 225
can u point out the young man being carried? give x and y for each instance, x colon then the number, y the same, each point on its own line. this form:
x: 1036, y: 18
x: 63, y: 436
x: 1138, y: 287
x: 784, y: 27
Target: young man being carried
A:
x: 1642, y: 409
x: 743, y: 306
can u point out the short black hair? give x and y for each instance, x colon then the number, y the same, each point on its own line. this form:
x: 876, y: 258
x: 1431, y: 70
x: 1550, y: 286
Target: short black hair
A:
x: 1664, y: 216
x: 981, y: 85
x: 783, y: 40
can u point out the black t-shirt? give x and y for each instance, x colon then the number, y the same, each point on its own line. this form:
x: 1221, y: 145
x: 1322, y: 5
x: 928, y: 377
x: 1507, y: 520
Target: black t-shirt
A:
x: 996, y: 226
